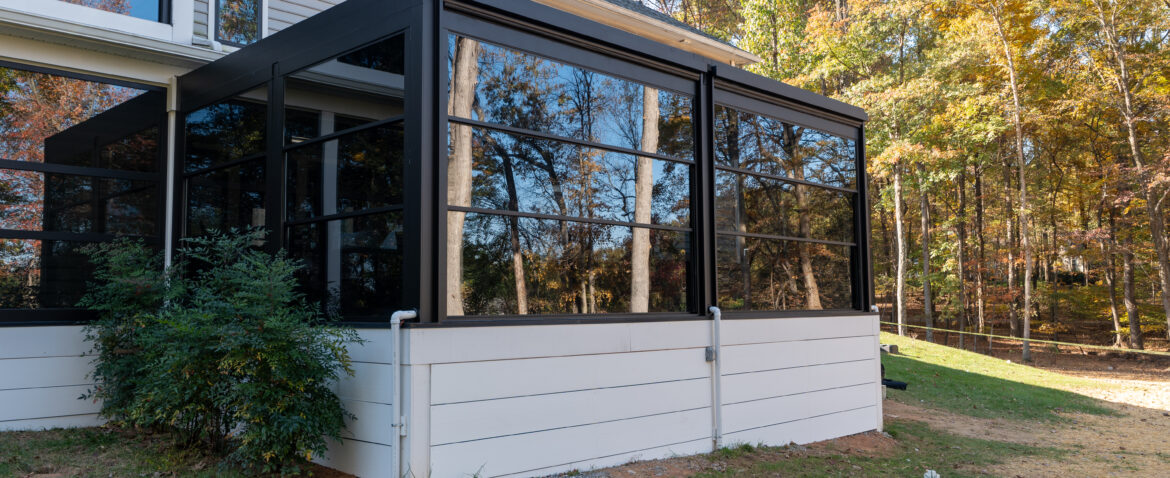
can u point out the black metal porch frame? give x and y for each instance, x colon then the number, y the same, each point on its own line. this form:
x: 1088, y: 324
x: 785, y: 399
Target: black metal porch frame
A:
x: 69, y: 315
x: 530, y: 27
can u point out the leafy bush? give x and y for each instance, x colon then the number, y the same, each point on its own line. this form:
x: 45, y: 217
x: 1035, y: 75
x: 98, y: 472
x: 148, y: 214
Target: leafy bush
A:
x: 228, y: 356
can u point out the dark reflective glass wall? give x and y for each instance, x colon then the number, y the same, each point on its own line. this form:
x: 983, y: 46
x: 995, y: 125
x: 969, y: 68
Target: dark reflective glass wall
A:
x: 568, y: 189
x: 784, y: 214
x: 343, y: 176
x: 80, y: 162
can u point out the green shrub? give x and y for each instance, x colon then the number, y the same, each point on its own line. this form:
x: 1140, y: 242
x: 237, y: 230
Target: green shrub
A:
x: 232, y: 358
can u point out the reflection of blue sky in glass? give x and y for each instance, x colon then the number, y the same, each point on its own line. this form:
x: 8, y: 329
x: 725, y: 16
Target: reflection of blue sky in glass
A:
x: 526, y: 91
x: 593, y: 183
x: 147, y: 9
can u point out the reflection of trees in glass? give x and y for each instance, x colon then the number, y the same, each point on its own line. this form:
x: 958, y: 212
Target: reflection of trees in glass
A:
x: 238, y: 21
x: 512, y: 264
x: 750, y: 204
x: 34, y: 107
x: 116, y: 6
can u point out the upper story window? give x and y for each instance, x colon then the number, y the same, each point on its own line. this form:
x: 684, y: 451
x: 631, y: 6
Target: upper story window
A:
x: 238, y: 22
x: 153, y: 10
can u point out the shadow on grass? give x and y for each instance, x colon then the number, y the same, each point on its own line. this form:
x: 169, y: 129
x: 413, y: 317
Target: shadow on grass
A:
x: 982, y: 395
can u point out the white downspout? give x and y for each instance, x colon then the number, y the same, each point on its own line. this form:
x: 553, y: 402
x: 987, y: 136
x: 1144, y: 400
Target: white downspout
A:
x: 716, y: 380
x: 398, y: 421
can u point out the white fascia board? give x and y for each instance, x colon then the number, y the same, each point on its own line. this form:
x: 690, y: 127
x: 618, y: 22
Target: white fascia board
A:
x: 651, y: 28
x: 51, y: 42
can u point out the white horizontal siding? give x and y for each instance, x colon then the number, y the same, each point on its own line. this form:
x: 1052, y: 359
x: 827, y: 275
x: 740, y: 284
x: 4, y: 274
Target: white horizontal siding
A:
x: 366, y: 445
x: 367, y: 460
x: 284, y: 13
x: 201, y: 15
x: 537, y: 400
x: 43, y: 372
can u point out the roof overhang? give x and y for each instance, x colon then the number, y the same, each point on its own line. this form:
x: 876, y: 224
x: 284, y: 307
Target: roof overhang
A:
x: 651, y: 28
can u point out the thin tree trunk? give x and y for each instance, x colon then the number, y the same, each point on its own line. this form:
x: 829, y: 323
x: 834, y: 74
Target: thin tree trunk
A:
x: 1013, y: 319
x: 643, y: 189
x: 1021, y: 165
x: 900, y: 234
x: 1110, y: 247
x: 924, y: 206
x: 979, y: 299
x: 1131, y: 310
x: 1123, y: 83
x: 462, y: 97
x: 514, y: 237
x: 961, y: 230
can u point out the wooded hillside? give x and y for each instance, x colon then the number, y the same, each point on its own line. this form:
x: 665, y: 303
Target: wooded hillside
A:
x: 1018, y: 151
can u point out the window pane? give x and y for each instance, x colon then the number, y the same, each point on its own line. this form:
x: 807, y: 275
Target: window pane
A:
x: 353, y: 265
x: 144, y: 9
x: 238, y: 21
x: 226, y: 131
x: 765, y: 274
x: 358, y: 171
x: 745, y: 203
x: 54, y: 119
x: 566, y: 267
x: 512, y: 88
x: 351, y: 90
x: 41, y: 274
x: 770, y: 146
x: 226, y: 198
x: 513, y: 172
x: 300, y: 125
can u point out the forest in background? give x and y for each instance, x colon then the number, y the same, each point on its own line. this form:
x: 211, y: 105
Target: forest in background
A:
x: 1018, y: 154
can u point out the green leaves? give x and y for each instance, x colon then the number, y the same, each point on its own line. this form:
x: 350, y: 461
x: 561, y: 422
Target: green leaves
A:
x: 227, y: 355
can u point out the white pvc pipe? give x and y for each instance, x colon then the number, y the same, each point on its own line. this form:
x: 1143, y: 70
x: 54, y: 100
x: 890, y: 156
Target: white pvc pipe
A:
x: 716, y: 379
x: 397, y: 420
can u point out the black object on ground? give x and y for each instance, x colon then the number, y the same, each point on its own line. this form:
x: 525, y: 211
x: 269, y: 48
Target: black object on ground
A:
x: 894, y: 384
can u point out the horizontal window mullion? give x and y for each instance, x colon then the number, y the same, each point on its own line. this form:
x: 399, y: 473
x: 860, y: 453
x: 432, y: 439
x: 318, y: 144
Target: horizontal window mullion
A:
x: 554, y: 217
x: 53, y: 168
x: 344, y: 132
x: 565, y: 139
x: 784, y: 238
x: 229, y: 164
x: 344, y: 215
x: 786, y: 179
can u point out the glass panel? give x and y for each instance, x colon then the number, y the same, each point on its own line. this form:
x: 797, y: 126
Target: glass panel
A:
x: 144, y: 9
x: 300, y: 125
x: 54, y: 119
x: 765, y: 274
x: 237, y: 21
x: 41, y: 274
x: 386, y: 55
x: 226, y: 131
x: 226, y: 198
x: 567, y: 267
x: 353, y: 265
x: 522, y: 173
x: 746, y: 203
x: 358, y: 171
x: 352, y: 90
x: 770, y: 146
x: 508, y: 87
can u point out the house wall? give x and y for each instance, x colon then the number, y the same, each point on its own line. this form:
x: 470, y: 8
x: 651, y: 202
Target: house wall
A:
x: 284, y: 13
x: 43, y: 371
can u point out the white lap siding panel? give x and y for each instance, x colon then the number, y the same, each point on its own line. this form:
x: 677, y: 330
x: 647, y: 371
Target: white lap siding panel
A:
x: 366, y: 442
x: 284, y: 13
x: 42, y: 374
x: 202, y: 12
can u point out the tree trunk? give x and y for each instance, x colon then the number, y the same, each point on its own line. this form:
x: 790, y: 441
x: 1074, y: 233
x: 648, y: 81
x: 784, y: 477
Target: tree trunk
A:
x: 1021, y: 165
x: 514, y: 237
x: 643, y: 189
x: 961, y: 232
x: 1149, y: 192
x: 900, y: 234
x: 1110, y: 248
x: 924, y: 206
x: 1131, y: 310
x: 981, y: 318
x: 462, y: 97
x: 1013, y: 319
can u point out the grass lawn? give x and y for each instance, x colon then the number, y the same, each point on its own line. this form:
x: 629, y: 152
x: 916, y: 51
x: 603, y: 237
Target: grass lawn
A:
x: 918, y: 448
x: 981, y: 386
x: 99, y: 452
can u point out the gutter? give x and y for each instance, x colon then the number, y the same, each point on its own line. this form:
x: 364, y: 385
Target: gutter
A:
x: 608, y: 14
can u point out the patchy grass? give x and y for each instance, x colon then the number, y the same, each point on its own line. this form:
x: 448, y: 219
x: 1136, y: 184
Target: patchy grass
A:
x: 981, y: 386
x: 918, y: 448
x: 104, y: 452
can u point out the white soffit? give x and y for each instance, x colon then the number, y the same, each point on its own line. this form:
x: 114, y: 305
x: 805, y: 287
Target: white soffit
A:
x: 644, y: 26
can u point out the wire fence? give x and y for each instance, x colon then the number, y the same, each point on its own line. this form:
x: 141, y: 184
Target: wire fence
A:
x: 1036, y: 341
